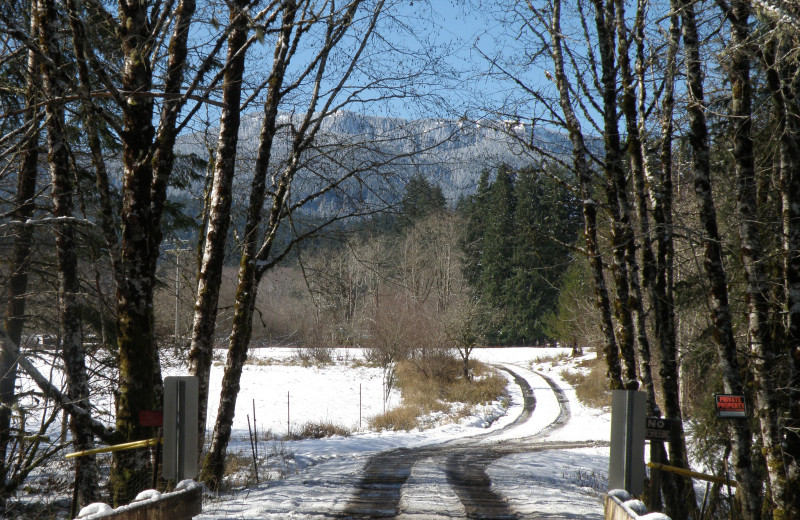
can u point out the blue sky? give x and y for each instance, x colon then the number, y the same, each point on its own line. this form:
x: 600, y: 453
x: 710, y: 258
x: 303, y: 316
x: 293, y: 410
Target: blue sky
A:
x: 454, y: 83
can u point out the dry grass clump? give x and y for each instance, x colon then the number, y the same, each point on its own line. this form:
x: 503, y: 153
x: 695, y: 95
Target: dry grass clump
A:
x: 486, y: 386
x: 591, y: 385
x: 320, y: 430
x: 405, y: 418
x: 274, y: 460
x: 302, y: 357
x: 255, y: 360
x: 359, y: 363
x: 238, y: 471
x: 554, y: 359
x: 432, y: 384
x: 477, y: 392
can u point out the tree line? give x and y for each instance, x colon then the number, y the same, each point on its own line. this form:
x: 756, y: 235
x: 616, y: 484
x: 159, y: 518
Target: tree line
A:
x: 422, y: 270
x: 520, y: 230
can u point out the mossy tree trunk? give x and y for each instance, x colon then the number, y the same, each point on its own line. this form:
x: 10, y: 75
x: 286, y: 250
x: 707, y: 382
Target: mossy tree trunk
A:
x: 678, y: 493
x: 766, y: 349
x: 259, y: 237
x: 780, y: 77
x: 247, y: 288
x: 636, y: 161
x: 163, y: 147
x: 135, y: 337
x: 147, y: 161
x: 790, y: 184
x: 19, y: 262
x: 70, y: 328
x: 750, y: 488
x: 622, y: 240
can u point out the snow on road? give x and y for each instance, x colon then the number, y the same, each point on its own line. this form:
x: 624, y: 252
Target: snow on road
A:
x: 323, y: 472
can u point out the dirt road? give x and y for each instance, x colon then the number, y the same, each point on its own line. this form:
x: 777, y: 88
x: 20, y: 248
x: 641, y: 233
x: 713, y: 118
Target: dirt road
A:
x: 387, y: 490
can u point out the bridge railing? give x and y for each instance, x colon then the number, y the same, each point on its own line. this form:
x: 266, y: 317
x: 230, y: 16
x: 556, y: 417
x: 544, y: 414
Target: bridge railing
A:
x: 619, y: 506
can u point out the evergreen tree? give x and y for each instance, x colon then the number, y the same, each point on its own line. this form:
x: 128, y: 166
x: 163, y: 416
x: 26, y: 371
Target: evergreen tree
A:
x: 498, y: 245
x: 474, y: 211
x: 514, y: 248
x: 421, y: 198
x: 545, y: 220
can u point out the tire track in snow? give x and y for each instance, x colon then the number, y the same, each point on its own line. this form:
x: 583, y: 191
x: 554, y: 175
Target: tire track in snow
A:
x: 379, y: 492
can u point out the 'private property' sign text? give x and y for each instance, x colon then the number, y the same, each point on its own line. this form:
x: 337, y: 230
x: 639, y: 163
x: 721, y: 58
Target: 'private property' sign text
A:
x: 730, y: 405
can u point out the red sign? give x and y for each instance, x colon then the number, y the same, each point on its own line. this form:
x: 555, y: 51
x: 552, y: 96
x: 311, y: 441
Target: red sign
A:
x: 729, y: 405
x: 151, y: 418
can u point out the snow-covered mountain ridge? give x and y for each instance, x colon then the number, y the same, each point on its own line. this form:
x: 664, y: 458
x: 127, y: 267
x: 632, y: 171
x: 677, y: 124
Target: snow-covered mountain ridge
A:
x: 449, y: 152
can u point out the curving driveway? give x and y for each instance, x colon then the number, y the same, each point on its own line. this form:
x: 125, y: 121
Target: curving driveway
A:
x: 383, y: 491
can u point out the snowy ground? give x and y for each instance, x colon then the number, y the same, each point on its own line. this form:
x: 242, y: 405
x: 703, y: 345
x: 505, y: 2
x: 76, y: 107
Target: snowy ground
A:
x: 321, y: 474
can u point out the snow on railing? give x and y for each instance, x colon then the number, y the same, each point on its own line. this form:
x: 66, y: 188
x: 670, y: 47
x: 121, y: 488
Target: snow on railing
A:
x: 619, y: 506
x: 184, y: 503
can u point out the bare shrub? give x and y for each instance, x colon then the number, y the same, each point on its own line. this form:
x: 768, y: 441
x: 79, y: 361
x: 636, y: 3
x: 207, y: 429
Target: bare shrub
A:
x: 320, y: 430
x: 281, y: 311
x: 436, y: 364
x: 315, y: 356
x: 390, y: 338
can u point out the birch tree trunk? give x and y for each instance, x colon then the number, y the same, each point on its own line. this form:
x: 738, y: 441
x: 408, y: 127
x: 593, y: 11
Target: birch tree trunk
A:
x: 163, y: 156
x: 246, y: 292
x: 779, y: 81
x: 790, y: 185
x: 584, y: 175
x: 765, y: 349
x: 678, y: 492
x: 213, y: 255
x: 790, y: 180
x: 790, y: 190
x: 749, y: 489
x: 660, y: 287
x: 636, y: 161
x: 257, y: 255
x: 94, y: 121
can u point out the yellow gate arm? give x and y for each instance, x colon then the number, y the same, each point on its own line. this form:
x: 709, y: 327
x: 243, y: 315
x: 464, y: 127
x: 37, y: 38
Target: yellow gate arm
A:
x: 117, y: 447
x: 692, y: 474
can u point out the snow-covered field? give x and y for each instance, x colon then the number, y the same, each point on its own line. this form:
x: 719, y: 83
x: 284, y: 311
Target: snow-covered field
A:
x: 285, y: 397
